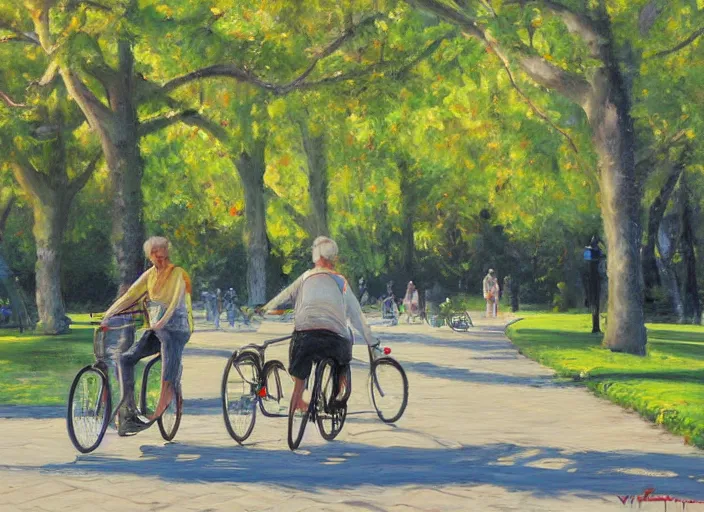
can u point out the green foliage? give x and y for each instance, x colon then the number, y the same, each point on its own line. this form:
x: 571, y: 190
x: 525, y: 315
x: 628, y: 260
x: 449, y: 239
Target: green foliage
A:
x: 487, y: 182
x: 560, y: 302
x: 37, y: 370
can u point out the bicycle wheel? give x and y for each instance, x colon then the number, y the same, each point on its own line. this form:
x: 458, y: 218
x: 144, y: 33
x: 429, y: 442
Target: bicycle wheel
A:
x: 298, y: 419
x: 330, y: 414
x: 275, y: 395
x: 150, y: 393
x: 240, y: 384
x: 469, y: 319
x: 89, y: 409
x: 389, y: 387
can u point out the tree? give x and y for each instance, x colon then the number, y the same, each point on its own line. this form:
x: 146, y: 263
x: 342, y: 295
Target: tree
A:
x: 43, y: 138
x: 604, y: 94
x: 72, y: 41
x: 51, y: 191
x: 248, y: 149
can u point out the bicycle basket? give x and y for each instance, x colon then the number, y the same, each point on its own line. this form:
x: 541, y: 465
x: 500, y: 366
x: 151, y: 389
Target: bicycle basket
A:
x: 99, y: 348
x: 118, y: 337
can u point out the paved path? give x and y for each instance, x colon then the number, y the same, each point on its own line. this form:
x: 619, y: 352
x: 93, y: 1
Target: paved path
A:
x: 485, y: 429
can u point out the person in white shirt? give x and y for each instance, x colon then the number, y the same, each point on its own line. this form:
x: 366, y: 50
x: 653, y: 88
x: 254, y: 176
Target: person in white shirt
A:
x: 323, y: 303
x: 490, y: 288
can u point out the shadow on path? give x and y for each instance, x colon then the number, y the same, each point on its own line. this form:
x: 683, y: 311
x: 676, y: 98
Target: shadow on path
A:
x: 488, y: 343
x: 346, y: 465
x: 466, y: 375
x: 35, y: 412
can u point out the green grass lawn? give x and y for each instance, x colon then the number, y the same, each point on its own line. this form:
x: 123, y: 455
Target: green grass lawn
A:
x: 666, y: 386
x: 38, y: 370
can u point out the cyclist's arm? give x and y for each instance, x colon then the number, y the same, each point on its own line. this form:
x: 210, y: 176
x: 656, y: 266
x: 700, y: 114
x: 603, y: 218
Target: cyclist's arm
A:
x: 189, y: 299
x: 356, y: 317
x: 286, y: 296
x: 133, y: 295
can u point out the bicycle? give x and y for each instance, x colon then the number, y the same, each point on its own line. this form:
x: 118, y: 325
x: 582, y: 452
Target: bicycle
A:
x: 90, y: 399
x: 389, y: 309
x: 330, y: 412
x: 253, y: 382
x: 456, y: 319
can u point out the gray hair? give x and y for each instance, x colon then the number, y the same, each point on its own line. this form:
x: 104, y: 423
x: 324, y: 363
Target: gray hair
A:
x: 324, y: 247
x: 155, y: 242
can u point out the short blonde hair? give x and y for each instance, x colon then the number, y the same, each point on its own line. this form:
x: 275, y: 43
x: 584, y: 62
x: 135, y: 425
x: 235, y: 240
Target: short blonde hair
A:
x: 324, y: 247
x: 155, y: 242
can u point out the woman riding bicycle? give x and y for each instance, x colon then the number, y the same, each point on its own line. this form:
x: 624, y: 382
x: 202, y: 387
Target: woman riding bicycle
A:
x: 166, y: 289
x: 323, y: 303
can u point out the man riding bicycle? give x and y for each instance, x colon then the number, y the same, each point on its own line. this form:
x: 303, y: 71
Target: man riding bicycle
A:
x: 323, y: 303
x: 167, y: 292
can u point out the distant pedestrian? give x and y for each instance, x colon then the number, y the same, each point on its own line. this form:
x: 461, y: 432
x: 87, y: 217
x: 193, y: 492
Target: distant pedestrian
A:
x: 218, y: 307
x: 410, y: 302
x: 490, y: 289
x: 205, y: 297
x: 363, y: 294
x: 230, y: 304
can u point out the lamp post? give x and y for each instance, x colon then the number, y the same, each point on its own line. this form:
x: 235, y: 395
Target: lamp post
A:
x: 592, y: 255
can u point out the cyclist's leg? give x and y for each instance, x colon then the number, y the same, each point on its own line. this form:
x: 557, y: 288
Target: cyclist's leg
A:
x: 301, y: 355
x: 340, y: 350
x: 147, y: 345
x: 125, y: 341
x: 172, y: 344
x: 343, y: 358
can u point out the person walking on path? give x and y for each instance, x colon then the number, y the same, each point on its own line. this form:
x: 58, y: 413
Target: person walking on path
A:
x: 166, y: 289
x: 217, y: 307
x: 490, y: 290
x: 410, y: 302
x: 230, y: 302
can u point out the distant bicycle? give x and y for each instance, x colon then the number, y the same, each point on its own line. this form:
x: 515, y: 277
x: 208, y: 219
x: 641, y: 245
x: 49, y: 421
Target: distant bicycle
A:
x: 90, y: 399
x: 456, y: 319
x: 389, y: 309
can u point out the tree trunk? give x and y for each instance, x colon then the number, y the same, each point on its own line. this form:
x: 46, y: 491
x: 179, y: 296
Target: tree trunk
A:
x: 126, y: 170
x: 122, y: 155
x: 651, y: 276
x: 668, y: 235
x: 251, y: 166
x: 608, y: 110
x: 692, y: 306
x: 315, y: 148
x: 5, y: 214
x: 408, y: 206
x: 117, y: 125
x: 669, y: 280
x: 50, y: 216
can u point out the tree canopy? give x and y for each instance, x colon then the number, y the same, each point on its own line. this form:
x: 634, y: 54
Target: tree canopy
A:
x: 432, y: 138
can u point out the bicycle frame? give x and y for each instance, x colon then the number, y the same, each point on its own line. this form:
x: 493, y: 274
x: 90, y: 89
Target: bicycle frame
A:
x: 260, y: 349
x: 102, y: 365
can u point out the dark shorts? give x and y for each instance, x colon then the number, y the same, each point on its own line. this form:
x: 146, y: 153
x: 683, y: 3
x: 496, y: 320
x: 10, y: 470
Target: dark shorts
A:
x: 308, y: 347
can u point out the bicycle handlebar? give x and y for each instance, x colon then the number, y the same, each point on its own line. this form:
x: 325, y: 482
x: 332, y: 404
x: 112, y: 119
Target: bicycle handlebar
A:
x: 106, y: 328
x: 263, y: 346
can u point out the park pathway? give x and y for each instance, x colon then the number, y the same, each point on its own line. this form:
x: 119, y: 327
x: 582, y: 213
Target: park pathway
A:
x: 486, y: 429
